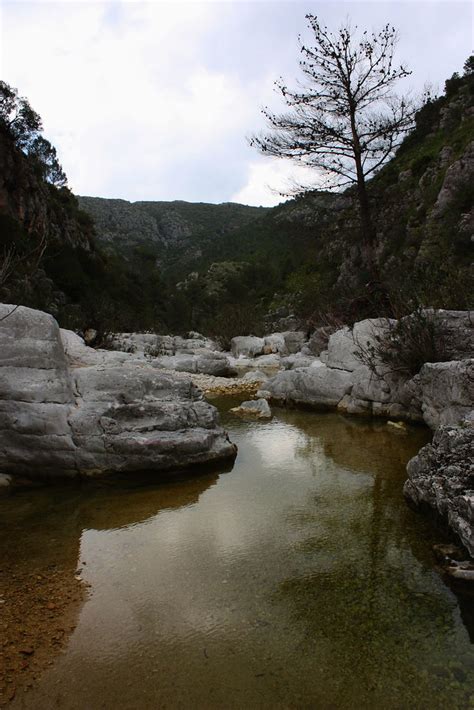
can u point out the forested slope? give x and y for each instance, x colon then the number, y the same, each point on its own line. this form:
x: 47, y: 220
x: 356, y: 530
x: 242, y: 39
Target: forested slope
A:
x: 175, y: 266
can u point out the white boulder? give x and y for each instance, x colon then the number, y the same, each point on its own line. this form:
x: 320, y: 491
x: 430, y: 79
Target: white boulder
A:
x: 254, y: 408
x: 247, y: 346
x: 71, y: 415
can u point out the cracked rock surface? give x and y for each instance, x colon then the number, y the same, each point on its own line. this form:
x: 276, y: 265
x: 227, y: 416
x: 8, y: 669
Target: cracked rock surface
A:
x: 441, y: 477
x: 69, y: 410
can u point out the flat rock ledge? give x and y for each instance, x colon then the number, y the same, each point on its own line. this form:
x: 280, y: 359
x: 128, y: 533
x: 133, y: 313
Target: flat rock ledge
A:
x: 67, y: 410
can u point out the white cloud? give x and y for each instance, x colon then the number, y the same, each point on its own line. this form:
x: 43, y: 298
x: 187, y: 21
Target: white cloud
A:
x: 153, y: 100
x: 270, y: 179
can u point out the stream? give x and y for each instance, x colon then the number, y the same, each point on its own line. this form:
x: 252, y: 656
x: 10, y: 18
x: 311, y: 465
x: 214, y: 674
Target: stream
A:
x: 298, y: 579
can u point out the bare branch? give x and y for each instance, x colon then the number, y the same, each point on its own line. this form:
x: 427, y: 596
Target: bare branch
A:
x: 344, y: 120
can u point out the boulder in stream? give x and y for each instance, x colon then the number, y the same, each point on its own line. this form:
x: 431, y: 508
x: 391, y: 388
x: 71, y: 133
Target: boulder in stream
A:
x: 254, y: 408
x: 67, y: 410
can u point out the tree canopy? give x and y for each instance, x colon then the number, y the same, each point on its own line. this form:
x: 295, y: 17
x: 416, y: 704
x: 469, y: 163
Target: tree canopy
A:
x: 23, y: 125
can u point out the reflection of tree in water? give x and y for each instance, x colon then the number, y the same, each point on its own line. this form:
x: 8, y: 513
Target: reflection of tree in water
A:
x: 40, y: 532
x: 368, y: 594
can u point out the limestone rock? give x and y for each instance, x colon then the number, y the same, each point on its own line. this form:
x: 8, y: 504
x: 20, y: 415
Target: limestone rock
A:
x: 345, y: 345
x: 255, y: 408
x: 255, y: 376
x: 268, y: 362
x: 441, y: 477
x: 147, y: 343
x: 457, y: 332
x: 153, y: 345
x: 66, y: 410
x: 78, y: 354
x: 447, y: 391
x: 247, y: 346
x: 459, y: 174
x: 294, y: 340
x: 206, y: 362
x: 291, y: 362
x: 275, y: 343
x: 319, y: 387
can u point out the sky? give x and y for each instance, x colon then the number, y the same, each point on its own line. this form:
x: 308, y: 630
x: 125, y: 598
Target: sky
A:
x: 155, y: 100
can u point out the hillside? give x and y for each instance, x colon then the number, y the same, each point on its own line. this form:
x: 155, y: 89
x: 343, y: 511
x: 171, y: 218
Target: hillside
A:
x: 303, y: 256
x: 170, y: 231
x: 228, y: 269
x: 49, y: 258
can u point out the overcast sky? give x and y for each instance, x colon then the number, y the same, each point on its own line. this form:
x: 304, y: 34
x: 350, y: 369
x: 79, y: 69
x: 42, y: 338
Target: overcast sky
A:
x: 153, y: 100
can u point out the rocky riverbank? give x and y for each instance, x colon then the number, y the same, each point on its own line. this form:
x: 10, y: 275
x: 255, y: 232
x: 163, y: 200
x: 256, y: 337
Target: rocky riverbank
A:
x: 342, y: 370
x: 70, y: 410
x: 67, y: 410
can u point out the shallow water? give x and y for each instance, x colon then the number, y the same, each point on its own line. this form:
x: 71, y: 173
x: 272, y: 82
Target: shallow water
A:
x: 300, y: 579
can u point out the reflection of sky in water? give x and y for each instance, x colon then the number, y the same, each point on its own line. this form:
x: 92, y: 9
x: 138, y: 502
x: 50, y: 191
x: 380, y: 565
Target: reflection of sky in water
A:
x: 292, y: 580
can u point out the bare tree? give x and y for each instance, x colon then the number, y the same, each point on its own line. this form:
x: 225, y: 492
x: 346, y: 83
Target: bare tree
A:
x: 345, y: 120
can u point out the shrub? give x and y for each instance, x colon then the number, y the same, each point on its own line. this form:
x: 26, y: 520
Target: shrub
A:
x: 407, y: 344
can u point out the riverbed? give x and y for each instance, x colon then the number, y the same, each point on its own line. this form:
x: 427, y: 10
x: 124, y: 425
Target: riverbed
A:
x: 298, y: 579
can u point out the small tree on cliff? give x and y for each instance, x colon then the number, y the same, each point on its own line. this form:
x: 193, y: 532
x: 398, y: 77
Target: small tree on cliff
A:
x: 23, y: 125
x: 46, y: 159
x: 17, y: 118
x: 345, y: 121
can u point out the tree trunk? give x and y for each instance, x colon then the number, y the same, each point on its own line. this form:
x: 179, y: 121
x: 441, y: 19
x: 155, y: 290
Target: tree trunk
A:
x: 368, y: 233
x: 367, y: 227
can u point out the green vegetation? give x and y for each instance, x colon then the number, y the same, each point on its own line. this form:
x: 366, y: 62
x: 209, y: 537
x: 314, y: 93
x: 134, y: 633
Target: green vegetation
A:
x: 407, y: 344
x: 23, y: 126
x: 220, y: 269
x: 343, y: 119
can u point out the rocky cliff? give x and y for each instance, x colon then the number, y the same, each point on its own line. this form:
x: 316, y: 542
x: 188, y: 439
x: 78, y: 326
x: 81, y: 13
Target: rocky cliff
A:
x: 303, y: 257
x: 44, y: 212
x: 225, y: 269
x: 170, y: 231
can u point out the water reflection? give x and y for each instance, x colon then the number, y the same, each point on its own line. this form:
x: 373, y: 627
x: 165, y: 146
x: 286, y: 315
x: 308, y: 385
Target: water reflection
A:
x: 299, y: 580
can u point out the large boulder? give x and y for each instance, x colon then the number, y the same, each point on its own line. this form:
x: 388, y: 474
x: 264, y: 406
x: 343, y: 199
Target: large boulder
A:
x: 65, y: 411
x: 131, y: 419
x: 194, y: 343
x: 78, y: 354
x: 294, y: 340
x: 447, y: 391
x: 441, y: 478
x: 318, y: 387
x: 247, y: 346
x: 384, y: 393
x: 456, y: 329
x: 153, y: 345
x: 275, y: 343
x: 206, y: 363
x: 148, y: 343
x: 346, y: 347
x: 299, y: 360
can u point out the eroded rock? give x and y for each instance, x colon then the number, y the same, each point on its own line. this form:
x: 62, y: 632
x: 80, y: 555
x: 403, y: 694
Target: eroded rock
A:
x: 67, y: 410
x: 247, y: 346
x: 254, y: 408
x: 447, y: 391
x: 441, y: 477
x: 319, y: 387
